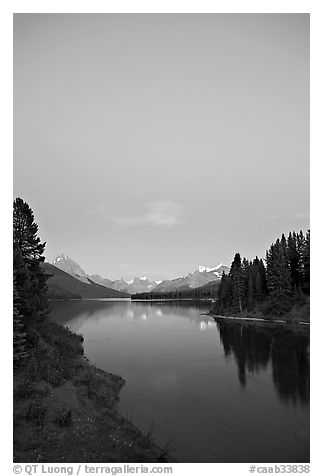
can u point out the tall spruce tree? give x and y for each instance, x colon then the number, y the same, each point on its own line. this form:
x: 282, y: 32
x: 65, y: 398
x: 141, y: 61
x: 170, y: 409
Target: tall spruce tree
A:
x: 278, y: 276
x: 236, y: 273
x: 263, y: 278
x: 294, y: 257
x: 246, y: 271
x: 306, y: 264
x: 224, y: 294
x: 27, y: 258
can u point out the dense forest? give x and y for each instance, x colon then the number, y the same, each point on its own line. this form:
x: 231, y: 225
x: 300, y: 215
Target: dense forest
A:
x: 273, y: 287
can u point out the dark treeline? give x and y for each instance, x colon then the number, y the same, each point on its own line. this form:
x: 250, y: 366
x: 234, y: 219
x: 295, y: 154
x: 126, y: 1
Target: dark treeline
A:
x: 273, y: 286
x: 208, y: 291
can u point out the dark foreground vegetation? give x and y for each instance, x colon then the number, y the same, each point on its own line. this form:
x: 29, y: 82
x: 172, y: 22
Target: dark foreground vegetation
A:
x: 281, y: 288
x: 64, y: 408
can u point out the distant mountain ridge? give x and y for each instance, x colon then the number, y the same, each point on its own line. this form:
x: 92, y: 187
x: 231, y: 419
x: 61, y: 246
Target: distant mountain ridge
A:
x: 201, y: 276
x: 66, y: 264
x: 62, y: 285
x: 133, y: 286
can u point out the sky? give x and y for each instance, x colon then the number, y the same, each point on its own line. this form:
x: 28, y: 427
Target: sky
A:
x: 149, y: 144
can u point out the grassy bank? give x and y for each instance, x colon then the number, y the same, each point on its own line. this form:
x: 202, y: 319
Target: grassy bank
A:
x: 65, y: 409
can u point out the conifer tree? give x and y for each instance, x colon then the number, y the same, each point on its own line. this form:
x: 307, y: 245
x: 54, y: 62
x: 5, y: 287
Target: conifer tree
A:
x: 219, y: 305
x: 246, y: 271
x: 278, y: 276
x: 305, y: 261
x: 236, y: 273
x: 225, y: 293
x: 263, y: 278
x: 294, y: 261
x: 27, y: 258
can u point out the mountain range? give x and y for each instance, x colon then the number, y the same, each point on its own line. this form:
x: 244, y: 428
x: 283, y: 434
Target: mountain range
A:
x: 62, y: 285
x: 135, y: 285
x: 201, y: 276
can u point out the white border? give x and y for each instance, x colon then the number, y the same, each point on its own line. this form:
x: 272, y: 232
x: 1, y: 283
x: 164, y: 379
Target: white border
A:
x: 166, y: 6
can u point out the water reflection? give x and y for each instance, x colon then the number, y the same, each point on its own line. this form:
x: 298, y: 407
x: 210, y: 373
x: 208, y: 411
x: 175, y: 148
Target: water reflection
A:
x: 75, y: 313
x: 181, y: 372
x: 255, y: 347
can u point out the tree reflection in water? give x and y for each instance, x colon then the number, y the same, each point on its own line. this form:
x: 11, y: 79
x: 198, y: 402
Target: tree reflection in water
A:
x: 286, y: 349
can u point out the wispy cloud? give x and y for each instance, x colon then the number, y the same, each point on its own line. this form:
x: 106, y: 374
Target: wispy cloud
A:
x: 163, y: 214
x: 303, y: 215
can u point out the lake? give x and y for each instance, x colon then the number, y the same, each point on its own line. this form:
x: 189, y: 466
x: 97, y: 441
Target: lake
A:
x: 214, y: 392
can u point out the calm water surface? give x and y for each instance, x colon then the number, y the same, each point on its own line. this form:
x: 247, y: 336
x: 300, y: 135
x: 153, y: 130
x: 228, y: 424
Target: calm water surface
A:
x: 217, y: 392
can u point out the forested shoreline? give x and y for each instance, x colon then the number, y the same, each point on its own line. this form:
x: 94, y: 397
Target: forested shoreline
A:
x: 208, y: 291
x: 276, y: 288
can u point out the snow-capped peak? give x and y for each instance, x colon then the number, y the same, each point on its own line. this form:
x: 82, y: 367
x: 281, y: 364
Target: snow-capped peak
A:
x: 60, y: 257
x: 131, y: 281
x: 158, y: 282
x: 203, y: 269
x: 144, y: 278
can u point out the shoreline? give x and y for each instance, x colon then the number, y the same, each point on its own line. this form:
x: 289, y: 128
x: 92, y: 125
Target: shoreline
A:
x: 88, y: 299
x: 130, y: 300
x: 71, y: 415
x: 175, y: 300
x: 257, y: 319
